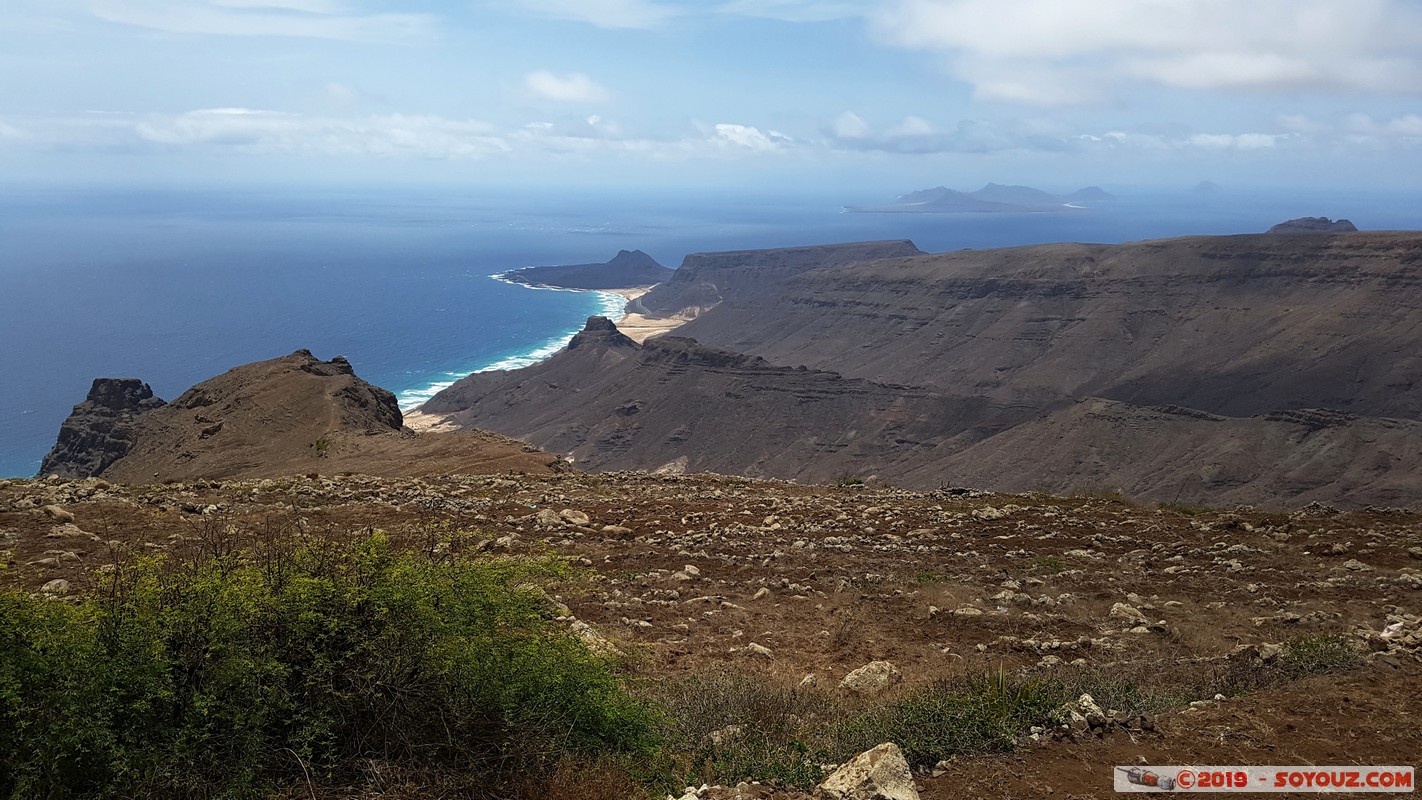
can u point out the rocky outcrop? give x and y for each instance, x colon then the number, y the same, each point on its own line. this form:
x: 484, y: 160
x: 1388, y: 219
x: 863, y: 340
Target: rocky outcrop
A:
x: 287, y: 415
x: 705, y: 279
x: 100, y: 430
x: 1314, y: 225
x: 626, y: 270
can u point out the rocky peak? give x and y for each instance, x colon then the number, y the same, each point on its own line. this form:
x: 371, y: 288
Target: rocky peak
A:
x: 600, y: 331
x: 100, y: 430
x: 121, y: 394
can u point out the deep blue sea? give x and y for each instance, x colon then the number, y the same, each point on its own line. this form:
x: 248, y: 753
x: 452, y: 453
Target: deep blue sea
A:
x: 175, y: 286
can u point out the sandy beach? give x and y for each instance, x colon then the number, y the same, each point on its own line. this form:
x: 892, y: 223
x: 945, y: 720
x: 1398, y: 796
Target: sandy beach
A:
x: 637, y: 327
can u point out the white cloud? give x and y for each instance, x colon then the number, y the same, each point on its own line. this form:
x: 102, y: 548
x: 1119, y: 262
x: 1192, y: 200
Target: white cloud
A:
x: 1363, y: 128
x: 294, y: 18
x: 797, y: 10
x: 850, y: 125
x: 916, y: 136
x: 749, y: 137
x: 1228, y: 141
x: 1056, y: 52
x: 604, y: 13
x: 305, y: 6
x: 10, y: 132
x: 572, y: 88
x: 271, y: 133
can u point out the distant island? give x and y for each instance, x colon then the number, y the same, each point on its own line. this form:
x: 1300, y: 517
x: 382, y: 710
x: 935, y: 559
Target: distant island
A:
x: 1314, y: 225
x: 629, y: 269
x: 992, y: 198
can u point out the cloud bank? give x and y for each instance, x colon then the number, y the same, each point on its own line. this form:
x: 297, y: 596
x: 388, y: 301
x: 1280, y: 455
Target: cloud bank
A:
x: 1065, y: 52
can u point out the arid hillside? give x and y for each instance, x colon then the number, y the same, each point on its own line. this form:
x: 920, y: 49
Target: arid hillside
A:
x: 1203, y: 637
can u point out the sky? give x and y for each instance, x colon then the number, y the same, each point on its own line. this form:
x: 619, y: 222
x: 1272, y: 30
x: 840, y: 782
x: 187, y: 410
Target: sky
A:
x: 880, y: 94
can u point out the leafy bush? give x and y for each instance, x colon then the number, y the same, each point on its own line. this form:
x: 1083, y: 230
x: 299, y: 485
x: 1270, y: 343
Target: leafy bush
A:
x: 225, y: 675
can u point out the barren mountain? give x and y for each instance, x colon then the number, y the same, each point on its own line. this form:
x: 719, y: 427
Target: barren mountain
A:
x: 1266, y: 369
x: 706, y: 279
x: 278, y: 417
x: 609, y: 403
x: 1283, y: 459
x: 1233, y: 325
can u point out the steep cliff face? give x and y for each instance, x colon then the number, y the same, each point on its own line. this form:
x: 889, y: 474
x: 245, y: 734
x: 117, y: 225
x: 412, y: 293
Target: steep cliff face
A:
x: 705, y: 279
x: 677, y: 405
x: 1256, y: 369
x: 100, y: 430
x: 673, y: 403
x: 1234, y: 325
x: 283, y: 416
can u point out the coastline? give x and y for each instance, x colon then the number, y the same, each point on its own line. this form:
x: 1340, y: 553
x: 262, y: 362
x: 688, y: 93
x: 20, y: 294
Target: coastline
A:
x: 637, y: 327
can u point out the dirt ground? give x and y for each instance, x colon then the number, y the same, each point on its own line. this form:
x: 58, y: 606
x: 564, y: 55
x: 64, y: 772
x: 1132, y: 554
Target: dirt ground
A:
x: 691, y: 571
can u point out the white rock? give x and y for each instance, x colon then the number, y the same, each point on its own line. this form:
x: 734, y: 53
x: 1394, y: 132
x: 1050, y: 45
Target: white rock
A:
x: 878, y: 774
x: 1127, y: 613
x: 58, y: 514
x: 575, y: 517
x: 760, y: 650
x: 872, y: 678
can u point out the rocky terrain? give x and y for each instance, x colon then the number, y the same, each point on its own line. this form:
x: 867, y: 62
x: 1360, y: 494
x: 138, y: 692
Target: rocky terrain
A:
x: 625, y: 270
x: 1263, y: 369
x: 284, y: 416
x: 1170, y: 613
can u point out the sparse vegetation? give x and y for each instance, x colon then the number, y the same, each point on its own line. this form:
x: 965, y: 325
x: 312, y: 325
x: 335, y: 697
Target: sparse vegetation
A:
x: 1049, y: 565
x: 1185, y: 509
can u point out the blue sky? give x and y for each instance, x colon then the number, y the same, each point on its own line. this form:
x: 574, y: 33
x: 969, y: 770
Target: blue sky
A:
x: 878, y: 94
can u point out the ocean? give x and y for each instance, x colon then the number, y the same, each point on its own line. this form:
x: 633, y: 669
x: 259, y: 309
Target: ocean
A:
x: 174, y: 286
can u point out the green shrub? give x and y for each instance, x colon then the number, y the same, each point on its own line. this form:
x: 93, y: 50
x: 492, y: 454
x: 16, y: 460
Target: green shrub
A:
x: 956, y: 717
x: 227, y: 675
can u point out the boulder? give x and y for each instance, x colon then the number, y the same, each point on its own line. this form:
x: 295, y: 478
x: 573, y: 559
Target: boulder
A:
x: 1127, y: 613
x: 878, y: 774
x: 575, y: 517
x: 872, y: 678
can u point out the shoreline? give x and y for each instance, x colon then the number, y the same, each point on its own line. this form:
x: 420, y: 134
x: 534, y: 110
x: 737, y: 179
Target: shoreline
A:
x: 636, y: 327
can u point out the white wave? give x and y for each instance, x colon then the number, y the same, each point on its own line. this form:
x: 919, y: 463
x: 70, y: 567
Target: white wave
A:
x: 610, y: 305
